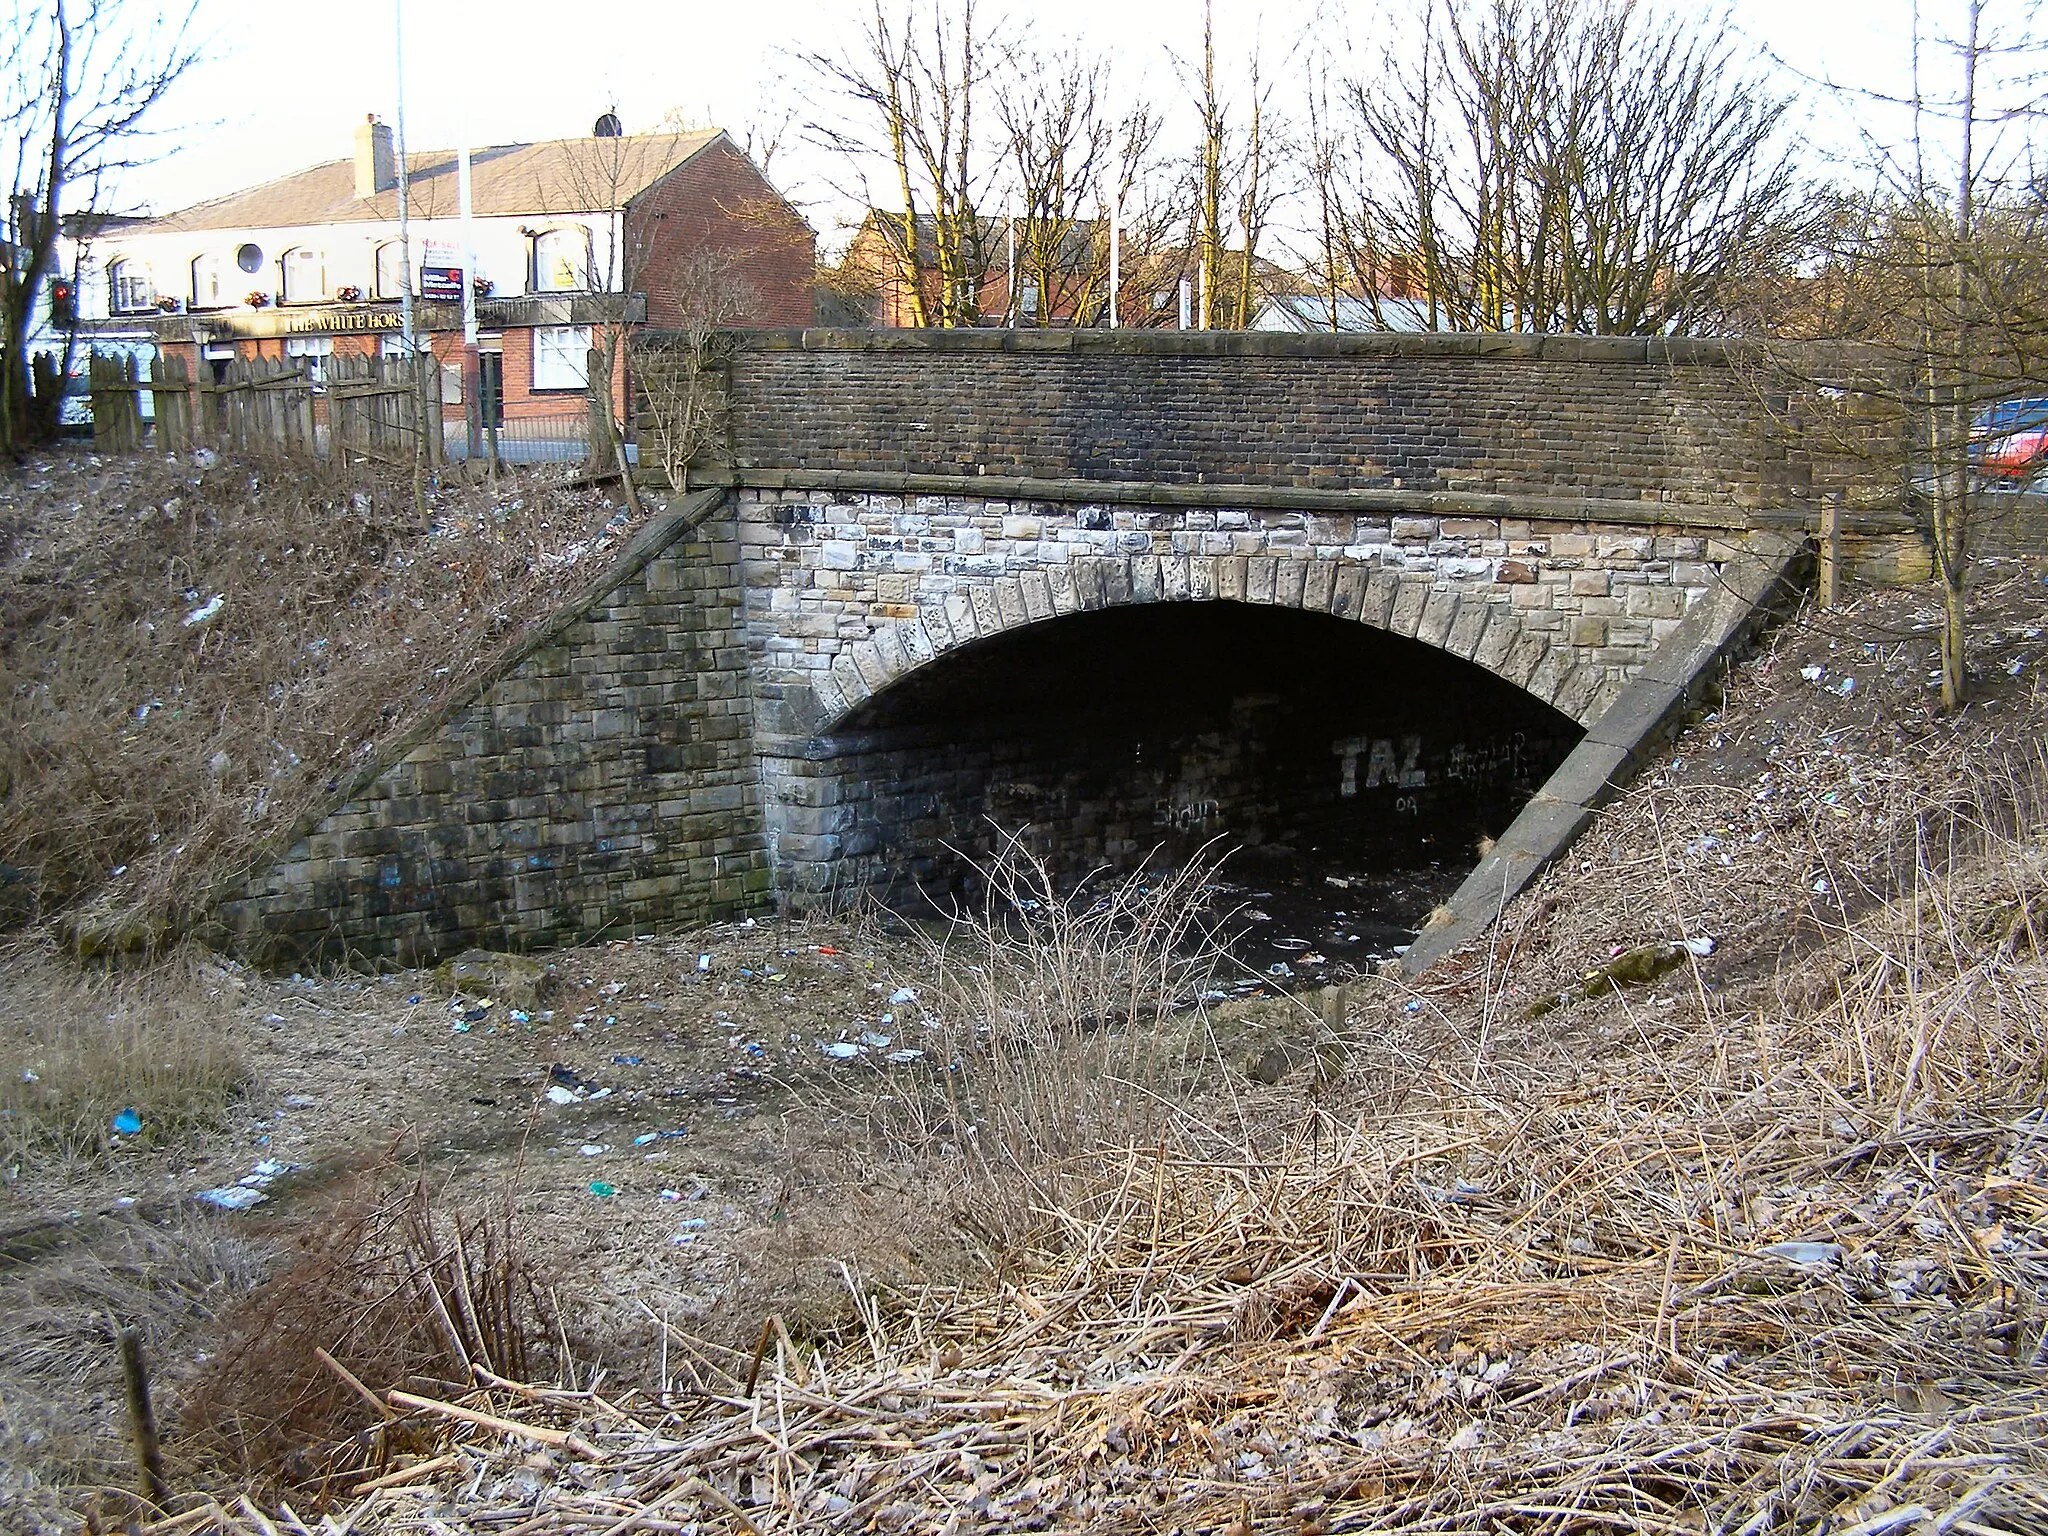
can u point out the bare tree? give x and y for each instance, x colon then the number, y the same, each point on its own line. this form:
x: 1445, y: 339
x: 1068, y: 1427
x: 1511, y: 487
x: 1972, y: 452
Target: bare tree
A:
x: 1059, y: 142
x: 1938, y: 274
x: 913, y: 85
x: 1561, y: 165
x: 603, y: 175
x: 86, y: 80
x: 1230, y: 184
x: 678, y: 374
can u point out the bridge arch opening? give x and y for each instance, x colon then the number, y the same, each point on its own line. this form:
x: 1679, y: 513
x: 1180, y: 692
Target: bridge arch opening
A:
x: 1326, y: 754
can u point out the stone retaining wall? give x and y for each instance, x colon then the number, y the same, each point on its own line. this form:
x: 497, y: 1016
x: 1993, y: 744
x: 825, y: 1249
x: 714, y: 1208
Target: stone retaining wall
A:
x: 604, y: 783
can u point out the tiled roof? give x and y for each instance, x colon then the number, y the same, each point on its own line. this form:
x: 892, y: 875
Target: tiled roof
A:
x: 555, y: 177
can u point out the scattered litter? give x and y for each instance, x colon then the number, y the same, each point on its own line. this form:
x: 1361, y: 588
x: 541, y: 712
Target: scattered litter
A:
x: 1813, y: 674
x: 902, y: 995
x: 904, y: 1058
x: 126, y: 1123
x: 671, y: 1194
x: 594, y: 1149
x: 557, y: 1094
x: 299, y: 1101
x: 205, y: 610
x: 1805, y: 1255
x: 1846, y: 686
x: 703, y: 962
x: 626, y: 1061
x: 233, y: 1197
x: 602, y: 1190
x: 646, y: 1138
x: 841, y: 1050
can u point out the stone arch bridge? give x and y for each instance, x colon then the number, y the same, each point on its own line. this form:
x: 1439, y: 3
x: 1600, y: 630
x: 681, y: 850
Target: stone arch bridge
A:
x: 1122, y: 588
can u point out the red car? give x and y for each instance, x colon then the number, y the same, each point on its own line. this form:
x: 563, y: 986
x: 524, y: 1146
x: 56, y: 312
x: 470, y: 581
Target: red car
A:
x: 2009, y: 442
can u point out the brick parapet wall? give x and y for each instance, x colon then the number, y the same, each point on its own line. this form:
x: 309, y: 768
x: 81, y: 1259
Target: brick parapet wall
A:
x: 605, y: 782
x: 1613, y: 419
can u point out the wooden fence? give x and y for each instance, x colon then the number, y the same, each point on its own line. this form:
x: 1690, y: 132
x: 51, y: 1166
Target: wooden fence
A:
x: 116, y: 401
x: 386, y: 408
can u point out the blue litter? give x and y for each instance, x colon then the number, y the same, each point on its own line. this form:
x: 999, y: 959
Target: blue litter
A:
x: 127, y: 1123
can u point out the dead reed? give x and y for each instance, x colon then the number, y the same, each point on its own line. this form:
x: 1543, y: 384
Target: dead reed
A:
x: 396, y: 1291
x: 1761, y: 1246
x: 1051, y: 1022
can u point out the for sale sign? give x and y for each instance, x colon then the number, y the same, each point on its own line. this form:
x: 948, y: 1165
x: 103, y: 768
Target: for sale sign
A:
x: 441, y: 272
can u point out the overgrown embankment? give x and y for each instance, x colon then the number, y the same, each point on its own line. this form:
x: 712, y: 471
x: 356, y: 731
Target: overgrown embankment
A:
x: 195, y: 651
x: 1756, y: 1242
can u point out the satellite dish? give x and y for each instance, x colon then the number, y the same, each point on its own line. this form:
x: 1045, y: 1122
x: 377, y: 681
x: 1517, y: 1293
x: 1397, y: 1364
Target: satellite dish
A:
x: 607, y: 127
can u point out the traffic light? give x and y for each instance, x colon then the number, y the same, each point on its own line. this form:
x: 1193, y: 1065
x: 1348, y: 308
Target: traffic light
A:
x: 63, y: 303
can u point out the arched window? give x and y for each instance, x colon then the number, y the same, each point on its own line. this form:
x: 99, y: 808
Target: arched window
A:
x: 305, y: 275
x: 561, y: 260
x: 208, y: 282
x: 390, y: 271
x: 129, y: 288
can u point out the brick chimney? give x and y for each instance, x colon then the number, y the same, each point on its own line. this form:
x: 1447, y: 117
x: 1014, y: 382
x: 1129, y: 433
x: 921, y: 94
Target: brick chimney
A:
x: 376, y: 165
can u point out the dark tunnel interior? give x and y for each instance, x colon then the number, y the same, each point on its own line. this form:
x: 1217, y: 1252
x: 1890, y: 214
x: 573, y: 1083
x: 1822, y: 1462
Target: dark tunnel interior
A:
x: 1324, y: 754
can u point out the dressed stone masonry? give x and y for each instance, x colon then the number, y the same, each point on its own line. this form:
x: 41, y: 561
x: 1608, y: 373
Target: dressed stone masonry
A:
x: 845, y: 596
x: 603, y: 778
x: 687, y: 741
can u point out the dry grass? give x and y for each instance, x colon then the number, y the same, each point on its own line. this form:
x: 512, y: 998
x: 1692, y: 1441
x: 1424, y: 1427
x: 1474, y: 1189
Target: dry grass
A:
x: 1760, y: 1246
x: 79, y: 1046
x: 1051, y: 1022
x: 169, y: 1279
x: 141, y: 756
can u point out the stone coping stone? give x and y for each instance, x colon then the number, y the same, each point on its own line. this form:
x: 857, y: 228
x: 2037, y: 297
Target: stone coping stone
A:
x: 1761, y: 574
x: 1652, y: 351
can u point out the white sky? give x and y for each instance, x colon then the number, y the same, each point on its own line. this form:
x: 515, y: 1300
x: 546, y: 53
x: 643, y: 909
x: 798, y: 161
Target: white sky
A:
x: 285, y: 84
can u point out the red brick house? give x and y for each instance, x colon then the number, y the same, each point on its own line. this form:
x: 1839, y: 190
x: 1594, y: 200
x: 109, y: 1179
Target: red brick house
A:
x: 569, y: 236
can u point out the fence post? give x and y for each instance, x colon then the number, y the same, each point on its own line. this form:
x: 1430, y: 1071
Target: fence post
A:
x: 597, y: 389
x: 1831, y: 550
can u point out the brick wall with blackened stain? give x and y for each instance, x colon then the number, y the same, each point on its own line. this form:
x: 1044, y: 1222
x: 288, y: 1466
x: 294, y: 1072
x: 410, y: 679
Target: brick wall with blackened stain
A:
x: 604, y: 783
x: 1623, y: 418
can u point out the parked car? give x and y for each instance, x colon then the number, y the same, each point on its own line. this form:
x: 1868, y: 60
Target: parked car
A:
x: 2009, y: 441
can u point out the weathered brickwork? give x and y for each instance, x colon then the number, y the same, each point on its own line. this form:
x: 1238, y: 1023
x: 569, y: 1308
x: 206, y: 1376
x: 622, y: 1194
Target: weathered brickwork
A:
x: 606, y: 783
x: 847, y: 595
x: 1620, y: 418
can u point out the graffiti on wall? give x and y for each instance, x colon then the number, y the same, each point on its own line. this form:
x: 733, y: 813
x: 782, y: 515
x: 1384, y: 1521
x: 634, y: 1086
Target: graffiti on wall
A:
x: 1387, y: 762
